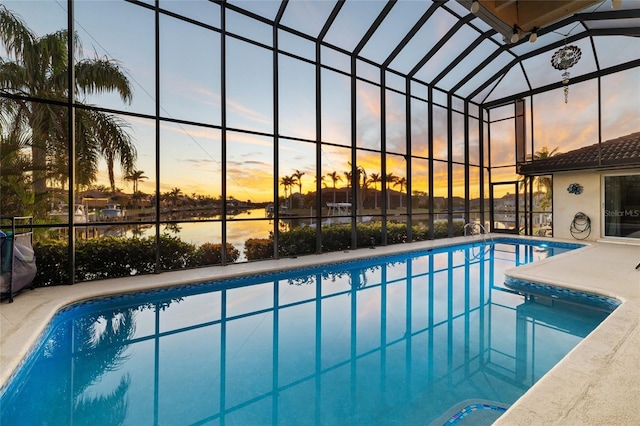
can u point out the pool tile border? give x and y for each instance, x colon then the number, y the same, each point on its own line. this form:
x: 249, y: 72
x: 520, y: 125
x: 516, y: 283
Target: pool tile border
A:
x: 562, y: 294
x: 469, y: 409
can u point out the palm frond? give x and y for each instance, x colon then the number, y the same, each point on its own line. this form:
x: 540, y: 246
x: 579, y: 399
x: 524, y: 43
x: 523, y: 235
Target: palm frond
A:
x: 102, y: 75
x: 12, y: 77
x: 15, y: 36
x: 38, y: 68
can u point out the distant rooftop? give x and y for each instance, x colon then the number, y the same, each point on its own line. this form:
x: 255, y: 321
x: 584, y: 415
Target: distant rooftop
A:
x: 622, y: 152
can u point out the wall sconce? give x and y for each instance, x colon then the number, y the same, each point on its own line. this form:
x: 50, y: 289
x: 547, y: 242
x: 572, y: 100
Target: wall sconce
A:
x: 475, y: 7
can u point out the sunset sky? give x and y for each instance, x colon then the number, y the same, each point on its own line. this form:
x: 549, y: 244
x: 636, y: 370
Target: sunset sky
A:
x: 191, y: 156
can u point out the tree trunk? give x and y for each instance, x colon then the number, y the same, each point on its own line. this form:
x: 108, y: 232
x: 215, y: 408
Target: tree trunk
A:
x: 39, y: 165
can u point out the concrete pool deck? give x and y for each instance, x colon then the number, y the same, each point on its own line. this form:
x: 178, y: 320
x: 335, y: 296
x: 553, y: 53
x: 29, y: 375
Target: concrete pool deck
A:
x: 597, y: 383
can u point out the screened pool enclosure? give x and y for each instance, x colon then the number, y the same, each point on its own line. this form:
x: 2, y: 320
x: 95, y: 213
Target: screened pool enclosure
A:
x: 173, y: 134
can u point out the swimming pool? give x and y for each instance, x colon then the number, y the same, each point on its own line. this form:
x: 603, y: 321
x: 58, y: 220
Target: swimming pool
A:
x: 404, y: 339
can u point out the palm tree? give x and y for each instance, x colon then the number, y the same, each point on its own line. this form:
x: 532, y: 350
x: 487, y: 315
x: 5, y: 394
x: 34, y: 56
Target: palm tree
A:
x: 402, y: 182
x: 334, y: 178
x: 297, y: 179
x: 102, y: 340
x: 297, y: 176
x: 16, y: 194
x: 114, y: 143
x: 136, y: 197
x: 362, y: 183
x: 135, y: 176
x: 173, y: 196
x: 390, y: 178
x: 98, y: 135
x: 39, y: 71
x: 375, y: 179
x: 348, y: 175
x: 287, y: 182
x: 542, y: 182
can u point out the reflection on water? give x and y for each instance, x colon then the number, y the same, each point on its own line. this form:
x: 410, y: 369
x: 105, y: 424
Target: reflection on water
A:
x: 201, y: 232
x: 398, y: 340
x: 238, y: 230
x: 240, y: 227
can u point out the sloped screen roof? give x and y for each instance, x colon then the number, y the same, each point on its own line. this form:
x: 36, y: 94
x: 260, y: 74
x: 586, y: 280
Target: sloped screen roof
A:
x: 444, y: 45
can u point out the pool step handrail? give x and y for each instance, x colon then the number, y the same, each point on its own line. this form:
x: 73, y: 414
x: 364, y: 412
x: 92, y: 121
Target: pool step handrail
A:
x: 476, y: 228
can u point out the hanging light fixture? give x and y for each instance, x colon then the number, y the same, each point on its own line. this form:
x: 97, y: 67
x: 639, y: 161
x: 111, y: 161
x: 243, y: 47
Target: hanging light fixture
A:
x: 563, y: 59
x: 533, y: 36
x: 475, y: 7
x: 516, y: 34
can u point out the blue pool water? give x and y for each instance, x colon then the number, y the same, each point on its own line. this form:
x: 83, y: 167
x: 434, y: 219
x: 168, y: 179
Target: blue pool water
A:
x: 416, y: 338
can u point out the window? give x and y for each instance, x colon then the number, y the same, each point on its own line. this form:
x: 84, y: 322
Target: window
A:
x: 622, y: 206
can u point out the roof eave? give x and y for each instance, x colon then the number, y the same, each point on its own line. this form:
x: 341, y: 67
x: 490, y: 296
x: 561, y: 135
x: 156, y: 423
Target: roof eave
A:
x: 531, y: 169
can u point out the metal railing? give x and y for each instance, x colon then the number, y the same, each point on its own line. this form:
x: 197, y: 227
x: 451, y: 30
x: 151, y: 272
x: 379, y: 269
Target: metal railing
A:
x: 472, y: 229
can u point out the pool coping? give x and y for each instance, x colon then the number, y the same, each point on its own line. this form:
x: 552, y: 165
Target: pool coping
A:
x: 598, y: 382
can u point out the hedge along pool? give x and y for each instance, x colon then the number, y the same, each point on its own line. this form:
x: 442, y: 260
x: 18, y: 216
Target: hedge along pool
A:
x: 427, y: 337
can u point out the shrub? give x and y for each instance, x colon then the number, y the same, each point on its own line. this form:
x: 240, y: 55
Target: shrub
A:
x: 258, y: 248
x: 52, y: 263
x: 115, y: 257
x: 119, y: 257
x: 112, y: 257
x: 420, y: 233
x: 297, y: 241
x: 336, y: 238
x: 175, y: 253
x: 441, y: 230
x: 369, y: 235
x: 397, y: 233
x: 211, y: 254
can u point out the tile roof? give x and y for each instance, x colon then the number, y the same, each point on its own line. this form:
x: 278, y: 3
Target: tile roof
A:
x: 615, y: 153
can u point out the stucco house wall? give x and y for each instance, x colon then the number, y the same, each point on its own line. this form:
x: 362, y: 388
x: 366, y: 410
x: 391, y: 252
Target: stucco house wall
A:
x: 590, y: 201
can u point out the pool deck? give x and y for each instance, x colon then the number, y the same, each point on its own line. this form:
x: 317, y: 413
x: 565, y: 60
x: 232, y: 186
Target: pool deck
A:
x: 597, y: 383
